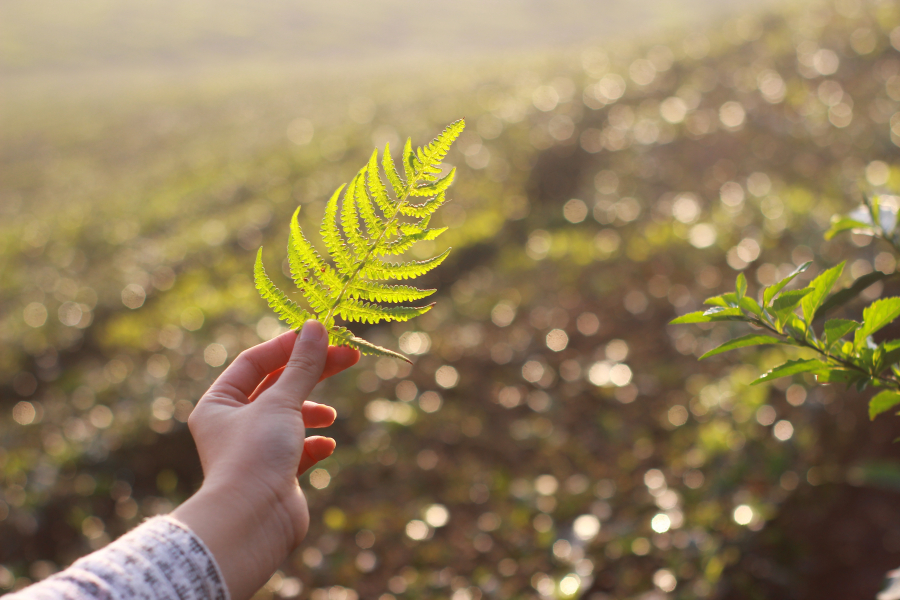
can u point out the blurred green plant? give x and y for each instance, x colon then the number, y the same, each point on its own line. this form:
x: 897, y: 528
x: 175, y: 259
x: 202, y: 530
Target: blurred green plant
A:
x: 860, y: 362
x: 351, y: 287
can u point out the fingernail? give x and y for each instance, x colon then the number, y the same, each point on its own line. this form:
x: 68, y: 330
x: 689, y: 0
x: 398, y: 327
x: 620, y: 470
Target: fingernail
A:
x: 311, y: 330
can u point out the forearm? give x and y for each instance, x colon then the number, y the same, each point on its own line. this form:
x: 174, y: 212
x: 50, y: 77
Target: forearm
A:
x: 159, y: 560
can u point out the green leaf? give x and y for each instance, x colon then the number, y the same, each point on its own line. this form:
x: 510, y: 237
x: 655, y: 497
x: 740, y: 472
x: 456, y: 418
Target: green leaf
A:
x: 437, y: 187
x: 286, y: 309
x: 740, y: 286
x: 841, y: 297
x: 789, y: 300
x: 375, y: 291
x: 742, y: 342
x: 405, y: 242
x: 408, y: 160
x: 835, y: 329
x: 820, y: 287
x: 751, y: 306
x: 725, y: 300
x: 393, y: 176
x: 340, y: 336
x: 891, y: 353
x: 350, y: 218
x: 365, y: 312
x: 299, y: 249
x: 378, y: 269
x: 716, y: 301
x: 374, y: 224
x: 839, y: 376
x: 710, y: 316
x: 425, y: 209
x: 876, y: 316
x: 699, y: 316
x: 839, y: 224
x: 883, y: 402
x: 792, y: 367
x: 429, y: 157
x: 785, y: 304
x: 376, y: 186
x: 337, y: 248
x: 772, y: 291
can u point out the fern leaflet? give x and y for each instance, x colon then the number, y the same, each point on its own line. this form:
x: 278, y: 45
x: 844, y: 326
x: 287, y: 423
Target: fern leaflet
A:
x: 349, y: 287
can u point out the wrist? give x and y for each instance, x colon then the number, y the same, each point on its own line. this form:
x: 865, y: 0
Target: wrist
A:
x: 249, y: 530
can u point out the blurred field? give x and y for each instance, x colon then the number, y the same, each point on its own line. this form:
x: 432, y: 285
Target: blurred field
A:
x: 169, y: 34
x: 554, y: 437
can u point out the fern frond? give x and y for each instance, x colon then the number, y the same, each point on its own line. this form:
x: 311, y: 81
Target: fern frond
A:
x: 286, y: 309
x: 380, y: 292
x: 365, y: 312
x: 391, y: 171
x: 350, y: 218
x: 337, y: 248
x: 413, y: 228
x: 374, y: 224
x: 315, y: 293
x: 346, y: 286
x: 299, y: 249
x: 405, y: 242
x: 408, y: 159
x: 436, y: 187
x: 341, y: 336
x: 379, y: 269
x: 376, y: 186
x: 425, y: 209
x: 437, y: 150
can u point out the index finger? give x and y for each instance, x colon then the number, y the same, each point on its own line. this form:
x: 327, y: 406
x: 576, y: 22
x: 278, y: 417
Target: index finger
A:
x: 252, y: 365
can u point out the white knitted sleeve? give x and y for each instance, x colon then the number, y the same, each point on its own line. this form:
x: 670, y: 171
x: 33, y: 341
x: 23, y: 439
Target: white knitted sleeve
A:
x: 159, y: 560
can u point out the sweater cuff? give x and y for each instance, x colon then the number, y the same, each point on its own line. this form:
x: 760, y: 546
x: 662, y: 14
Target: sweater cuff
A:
x: 159, y: 560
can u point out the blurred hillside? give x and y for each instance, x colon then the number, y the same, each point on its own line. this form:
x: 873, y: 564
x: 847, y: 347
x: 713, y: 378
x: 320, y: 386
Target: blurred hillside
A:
x: 555, y: 438
x: 169, y: 34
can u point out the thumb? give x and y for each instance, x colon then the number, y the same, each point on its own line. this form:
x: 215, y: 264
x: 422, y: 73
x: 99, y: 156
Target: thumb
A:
x: 304, y: 367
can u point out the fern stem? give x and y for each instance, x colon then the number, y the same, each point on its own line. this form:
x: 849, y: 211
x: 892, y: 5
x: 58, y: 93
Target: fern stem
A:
x: 365, y: 259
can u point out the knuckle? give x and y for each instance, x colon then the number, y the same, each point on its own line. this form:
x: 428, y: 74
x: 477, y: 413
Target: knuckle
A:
x: 305, y: 363
x: 247, y: 357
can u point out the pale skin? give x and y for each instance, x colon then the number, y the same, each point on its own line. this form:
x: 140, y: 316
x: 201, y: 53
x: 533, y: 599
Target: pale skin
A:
x: 250, y: 431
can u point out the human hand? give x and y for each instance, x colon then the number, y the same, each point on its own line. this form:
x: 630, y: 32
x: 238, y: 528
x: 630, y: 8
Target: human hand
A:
x: 250, y: 431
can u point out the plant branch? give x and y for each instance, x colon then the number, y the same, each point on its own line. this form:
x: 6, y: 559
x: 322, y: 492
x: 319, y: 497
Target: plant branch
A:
x: 888, y: 381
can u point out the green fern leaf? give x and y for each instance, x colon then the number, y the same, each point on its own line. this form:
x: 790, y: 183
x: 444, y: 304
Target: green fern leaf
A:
x: 376, y: 187
x: 437, y: 187
x: 340, y: 336
x: 408, y: 158
x: 426, y: 208
x: 391, y: 171
x: 432, y: 155
x: 365, y: 312
x: 300, y: 249
x: 286, y: 309
x: 379, y: 269
x: 350, y: 218
x: 315, y: 293
x: 374, y: 224
x: 375, y: 291
x: 343, y: 260
x: 347, y: 283
x: 405, y: 242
